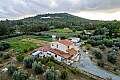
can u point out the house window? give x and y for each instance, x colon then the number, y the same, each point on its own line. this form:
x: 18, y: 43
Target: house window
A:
x: 68, y: 47
x: 57, y: 45
x: 55, y: 55
x: 48, y: 53
x: 52, y: 45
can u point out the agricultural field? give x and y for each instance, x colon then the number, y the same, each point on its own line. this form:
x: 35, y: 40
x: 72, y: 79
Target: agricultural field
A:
x: 22, y: 45
x: 65, y: 30
x: 25, y: 43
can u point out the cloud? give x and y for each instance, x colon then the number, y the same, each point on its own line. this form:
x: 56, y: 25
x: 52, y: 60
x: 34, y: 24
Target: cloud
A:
x: 18, y: 8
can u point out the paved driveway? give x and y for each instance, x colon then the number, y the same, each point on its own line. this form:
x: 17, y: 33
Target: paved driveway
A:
x: 86, y: 64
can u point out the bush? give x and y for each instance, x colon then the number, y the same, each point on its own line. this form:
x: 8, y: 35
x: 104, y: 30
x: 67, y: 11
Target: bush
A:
x: 28, y: 62
x: 51, y: 74
x: 11, y: 69
x: 45, y: 60
x: 64, y: 74
x: 4, y: 55
x: 112, y: 58
x: 97, y: 53
x: 37, y: 67
x: 19, y: 75
x: 50, y: 64
x: 20, y: 57
x: 101, y: 64
x: 4, y: 46
x: 88, y: 46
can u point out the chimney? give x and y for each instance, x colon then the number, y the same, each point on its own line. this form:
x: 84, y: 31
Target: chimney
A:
x: 59, y: 39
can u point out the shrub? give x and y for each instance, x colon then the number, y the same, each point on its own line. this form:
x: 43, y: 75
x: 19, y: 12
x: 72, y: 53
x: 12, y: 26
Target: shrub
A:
x: 64, y: 74
x: 4, y: 46
x: 1, y: 54
x: 112, y: 58
x: 51, y: 74
x: 4, y: 55
x: 88, y: 46
x: 11, y: 69
x: 28, y: 62
x: 20, y: 57
x: 101, y: 64
x: 37, y: 67
x: 50, y: 64
x: 19, y: 75
x: 97, y: 53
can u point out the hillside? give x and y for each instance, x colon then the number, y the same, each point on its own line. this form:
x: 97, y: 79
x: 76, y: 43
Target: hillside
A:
x: 58, y: 17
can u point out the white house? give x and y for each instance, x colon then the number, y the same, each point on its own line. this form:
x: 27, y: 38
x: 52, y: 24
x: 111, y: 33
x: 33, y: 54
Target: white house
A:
x: 62, y: 50
x: 76, y: 41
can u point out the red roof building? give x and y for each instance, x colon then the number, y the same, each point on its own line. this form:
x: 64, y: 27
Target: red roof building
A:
x: 66, y: 42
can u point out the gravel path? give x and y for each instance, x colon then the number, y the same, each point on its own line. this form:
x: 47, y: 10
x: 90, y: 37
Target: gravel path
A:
x: 87, y: 65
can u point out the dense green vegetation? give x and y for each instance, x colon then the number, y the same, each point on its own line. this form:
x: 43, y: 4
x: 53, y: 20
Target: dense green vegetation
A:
x: 66, y: 30
x: 102, y: 39
x: 22, y: 46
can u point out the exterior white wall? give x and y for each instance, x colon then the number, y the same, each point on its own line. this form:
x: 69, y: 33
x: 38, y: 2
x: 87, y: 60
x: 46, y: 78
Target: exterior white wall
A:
x: 50, y: 54
x: 59, y: 46
x: 58, y: 58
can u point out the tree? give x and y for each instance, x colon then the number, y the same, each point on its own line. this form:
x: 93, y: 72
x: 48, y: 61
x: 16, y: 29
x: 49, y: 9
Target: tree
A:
x: 51, y: 74
x: 19, y: 75
x: 112, y: 58
x: 28, y: 62
x: 98, y: 55
x: 4, y: 46
x: 37, y: 67
x: 11, y: 69
x: 64, y: 74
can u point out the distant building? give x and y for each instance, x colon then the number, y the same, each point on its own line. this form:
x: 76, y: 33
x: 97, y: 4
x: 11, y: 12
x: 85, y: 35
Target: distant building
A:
x: 54, y: 37
x: 62, y: 50
x: 48, y: 17
x: 76, y: 41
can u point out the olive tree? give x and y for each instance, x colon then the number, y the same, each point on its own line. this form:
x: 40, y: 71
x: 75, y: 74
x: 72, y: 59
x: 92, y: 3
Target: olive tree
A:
x: 28, y: 62
x: 11, y: 69
x: 19, y: 75
x: 37, y: 67
x: 64, y: 74
x: 51, y: 74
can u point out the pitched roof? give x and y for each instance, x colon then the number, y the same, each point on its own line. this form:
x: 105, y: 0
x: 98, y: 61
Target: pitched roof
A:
x: 44, y: 49
x: 60, y: 53
x: 72, y: 51
x: 66, y: 42
x: 68, y: 55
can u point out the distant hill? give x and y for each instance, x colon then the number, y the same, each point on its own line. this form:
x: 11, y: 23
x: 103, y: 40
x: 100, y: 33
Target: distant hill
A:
x: 58, y: 20
x: 58, y: 17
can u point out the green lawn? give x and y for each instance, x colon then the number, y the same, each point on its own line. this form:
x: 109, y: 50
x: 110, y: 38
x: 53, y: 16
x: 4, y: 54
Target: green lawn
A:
x: 44, y: 38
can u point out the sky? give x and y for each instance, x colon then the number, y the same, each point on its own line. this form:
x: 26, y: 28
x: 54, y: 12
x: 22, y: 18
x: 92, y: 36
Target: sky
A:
x: 90, y: 9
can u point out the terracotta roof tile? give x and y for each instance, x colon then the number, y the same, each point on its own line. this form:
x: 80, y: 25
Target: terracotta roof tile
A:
x: 60, y: 53
x: 72, y: 51
x: 66, y: 42
x: 68, y: 55
x: 44, y: 49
